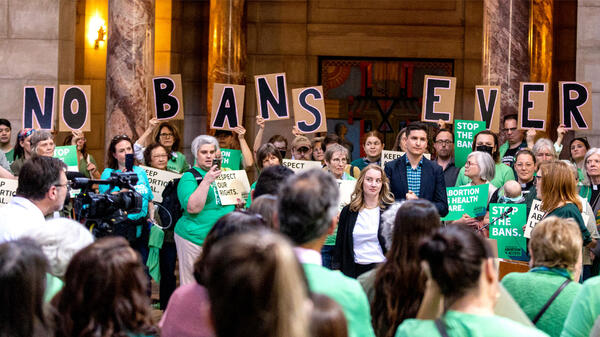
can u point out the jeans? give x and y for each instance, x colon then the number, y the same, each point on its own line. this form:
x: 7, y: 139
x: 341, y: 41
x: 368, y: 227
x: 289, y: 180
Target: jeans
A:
x: 168, y: 258
x: 327, y: 256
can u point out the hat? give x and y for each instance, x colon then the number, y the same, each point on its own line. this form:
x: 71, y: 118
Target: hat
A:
x: 300, y: 141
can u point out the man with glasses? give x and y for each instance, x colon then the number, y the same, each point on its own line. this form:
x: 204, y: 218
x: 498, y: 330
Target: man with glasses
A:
x: 413, y: 176
x: 42, y: 190
x: 444, y: 155
x: 515, y: 140
x: 301, y: 148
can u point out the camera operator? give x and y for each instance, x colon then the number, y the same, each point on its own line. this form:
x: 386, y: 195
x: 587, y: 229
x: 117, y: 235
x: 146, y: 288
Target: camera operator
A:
x: 42, y: 190
x: 135, y: 228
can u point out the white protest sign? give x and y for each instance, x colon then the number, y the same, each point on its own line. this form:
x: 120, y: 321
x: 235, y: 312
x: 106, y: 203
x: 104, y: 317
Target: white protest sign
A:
x: 346, y: 188
x: 388, y: 156
x: 535, y: 215
x: 158, y: 179
x: 301, y: 165
x: 231, y: 186
x: 8, y: 187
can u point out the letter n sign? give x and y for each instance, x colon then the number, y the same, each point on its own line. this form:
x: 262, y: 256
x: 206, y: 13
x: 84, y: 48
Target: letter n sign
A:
x: 575, y: 101
x: 271, y: 96
x: 34, y: 116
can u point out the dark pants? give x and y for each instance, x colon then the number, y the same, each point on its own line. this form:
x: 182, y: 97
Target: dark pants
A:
x: 168, y: 258
x: 327, y: 256
x: 363, y: 268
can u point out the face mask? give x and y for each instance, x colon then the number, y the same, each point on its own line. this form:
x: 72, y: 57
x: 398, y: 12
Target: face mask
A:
x: 484, y: 148
x: 282, y: 153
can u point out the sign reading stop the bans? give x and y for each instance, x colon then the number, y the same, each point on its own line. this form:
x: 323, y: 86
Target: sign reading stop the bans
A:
x: 508, y: 230
x: 68, y: 154
x: 464, y: 132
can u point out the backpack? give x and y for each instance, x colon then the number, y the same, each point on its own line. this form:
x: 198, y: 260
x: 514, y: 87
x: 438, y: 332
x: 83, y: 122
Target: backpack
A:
x: 170, y: 210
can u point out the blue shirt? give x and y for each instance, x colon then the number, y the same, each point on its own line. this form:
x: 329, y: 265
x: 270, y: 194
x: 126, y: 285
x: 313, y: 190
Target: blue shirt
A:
x: 413, y: 176
x: 142, y: 187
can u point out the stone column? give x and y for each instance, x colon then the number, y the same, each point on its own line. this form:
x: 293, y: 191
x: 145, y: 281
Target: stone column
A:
x: 505, y: 52
x: 129, y: 66
x: 226, y: 46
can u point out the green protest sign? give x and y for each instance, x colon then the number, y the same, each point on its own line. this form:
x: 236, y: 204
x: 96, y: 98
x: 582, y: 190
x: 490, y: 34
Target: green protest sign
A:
x: 508, y: 230
x: 471, y: 200
x: 464, y: 132
x: 68, y: 154
x: 232, y: 159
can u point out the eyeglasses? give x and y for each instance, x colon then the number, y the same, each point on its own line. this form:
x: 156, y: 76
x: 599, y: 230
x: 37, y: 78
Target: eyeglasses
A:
x: 166, y: 135
x: 339, y: 160
x: 468, y: 164
x: 160, y: 156
x: 67, y: 185
x: 443, y: 142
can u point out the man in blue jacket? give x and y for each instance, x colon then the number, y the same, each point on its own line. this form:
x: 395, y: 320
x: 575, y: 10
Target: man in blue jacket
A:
x: 413, y: 176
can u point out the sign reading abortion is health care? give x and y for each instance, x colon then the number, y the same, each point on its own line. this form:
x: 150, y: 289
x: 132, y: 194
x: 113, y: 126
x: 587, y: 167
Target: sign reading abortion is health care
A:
x: 464, y: 132
x: 470, y: 200
x: 507, y: 231
x: 8, y: 187
x: 158, y: 179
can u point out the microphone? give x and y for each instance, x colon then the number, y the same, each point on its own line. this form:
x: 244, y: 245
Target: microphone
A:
x: 502, y: 216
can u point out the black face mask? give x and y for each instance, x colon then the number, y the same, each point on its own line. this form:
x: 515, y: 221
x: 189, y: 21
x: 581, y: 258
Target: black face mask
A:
x: 484, y: 148
x: 282, y: 153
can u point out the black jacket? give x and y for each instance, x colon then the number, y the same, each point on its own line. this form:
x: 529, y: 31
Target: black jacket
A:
x: 343, y: 254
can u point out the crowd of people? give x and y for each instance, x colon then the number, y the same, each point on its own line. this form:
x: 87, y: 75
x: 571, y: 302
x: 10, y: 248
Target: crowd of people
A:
x: 291, y: 260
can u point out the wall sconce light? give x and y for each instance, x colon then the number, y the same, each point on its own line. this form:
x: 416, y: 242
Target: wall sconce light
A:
x: 100, y: 37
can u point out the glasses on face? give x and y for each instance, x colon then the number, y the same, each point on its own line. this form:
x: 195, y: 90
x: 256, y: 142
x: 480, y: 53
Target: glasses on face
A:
x: 468, y: 164
x: 443, y: 142
x: 166, y: 135
x: 67, y: 185
x: 339, y: 160
x: 157, y: 156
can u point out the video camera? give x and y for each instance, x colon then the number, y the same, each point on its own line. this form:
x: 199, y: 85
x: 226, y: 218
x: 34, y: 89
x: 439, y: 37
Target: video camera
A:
x: 105, y: 213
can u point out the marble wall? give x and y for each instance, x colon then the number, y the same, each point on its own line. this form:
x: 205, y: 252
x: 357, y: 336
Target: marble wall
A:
x: 37, y: 46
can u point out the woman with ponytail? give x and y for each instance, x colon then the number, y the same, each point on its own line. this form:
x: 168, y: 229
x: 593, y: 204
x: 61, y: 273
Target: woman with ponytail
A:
x: 462, y: 275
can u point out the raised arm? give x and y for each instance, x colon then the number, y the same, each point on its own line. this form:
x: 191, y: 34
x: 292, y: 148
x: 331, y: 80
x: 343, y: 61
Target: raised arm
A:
x: 144, y: 138
x: 261, y: 128
x: 246, y: 153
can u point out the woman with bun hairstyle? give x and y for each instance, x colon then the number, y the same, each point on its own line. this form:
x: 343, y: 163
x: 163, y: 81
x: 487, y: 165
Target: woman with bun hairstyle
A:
x: 461, y: 272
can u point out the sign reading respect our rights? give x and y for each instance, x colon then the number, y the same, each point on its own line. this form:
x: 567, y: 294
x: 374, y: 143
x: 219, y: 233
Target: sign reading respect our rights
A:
x: 301, y: 165
x: 507, y: 231
x: 470, y: 200
x: 232, y: 186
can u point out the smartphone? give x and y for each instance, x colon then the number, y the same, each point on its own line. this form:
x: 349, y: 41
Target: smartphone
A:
x: 217, y: 161
x: 129, y: 162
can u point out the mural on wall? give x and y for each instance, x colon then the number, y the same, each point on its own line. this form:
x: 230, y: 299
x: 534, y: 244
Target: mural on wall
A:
x: 385, y: 94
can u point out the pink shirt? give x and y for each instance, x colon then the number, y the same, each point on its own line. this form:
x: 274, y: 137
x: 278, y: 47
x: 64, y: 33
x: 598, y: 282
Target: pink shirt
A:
x: 188, y: 313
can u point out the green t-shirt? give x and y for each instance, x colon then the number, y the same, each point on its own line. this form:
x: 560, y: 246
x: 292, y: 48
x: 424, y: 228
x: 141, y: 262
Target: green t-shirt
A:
x: 53, y: 286
x: 177, y: 163
x: 195, y: 227
x: 503, y: 174
x: 571, y: 211
x: 531, y: 300
x: 347, y: 292
x: 460, y: 324
x: 584, y: 310
x: 82, y: 165
x: 10, y: 155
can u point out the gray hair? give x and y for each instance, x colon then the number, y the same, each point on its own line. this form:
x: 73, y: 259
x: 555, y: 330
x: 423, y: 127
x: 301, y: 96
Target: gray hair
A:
x: 544, y: 143
x: 387, y: 223
x: 60, y: 239
x: 334, y: 148
x: 203, y: 140
x: 37, y: 137
x: 487, y: 166
x: 588, y: 154
x: 307, y: 203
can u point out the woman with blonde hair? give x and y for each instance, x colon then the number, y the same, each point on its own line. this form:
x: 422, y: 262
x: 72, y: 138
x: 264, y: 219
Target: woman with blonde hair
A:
x: 359, y: 246
x: 258, y: 288
x: 557, y: 190
x: 555, y: 249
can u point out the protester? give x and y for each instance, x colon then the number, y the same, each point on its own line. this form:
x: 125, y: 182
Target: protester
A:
x: 42, y: 190
x: 515, y: 140
x: 399, y: 283
x: 591, y: 185
x: 318, y: 149
x: 22, y: 281
x: 227, y: 141
x: 400, y: 143
x: 257, y: 287
x: 307, y: 209
x: 487, y: 141
x: 373, y: 145
x: 557, y: 146
x: 201, y: 205
x: 544, y: 151
x: 555, y: 249
x: 444, y: 155
x: 60, y: 239
x: 178, y: 320
x: 135, y: 228
x: 412, y: 176
x: 359, y: 245
x: 266, y: 206
x: 167, y: 135
x: 270, y: 180
x: 279, y: 141
x: 584, y: 311
x: 556, y: 189
x: 5, y: 134
x: 327, y: 318
x: 104, y: 293
x: 22, y: 150
x: 460, y: 268
x: 480, y: 169
x: 336, y: 158
x: 86, y: 162
x: 268, y: 155
x: 525, y: 168
x: 301, y: 148
x: 42, y: 143
x: 578, y: 148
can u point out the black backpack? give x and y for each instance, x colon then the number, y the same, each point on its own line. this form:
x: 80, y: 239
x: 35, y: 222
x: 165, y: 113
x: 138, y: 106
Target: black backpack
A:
x: 171, y: 209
